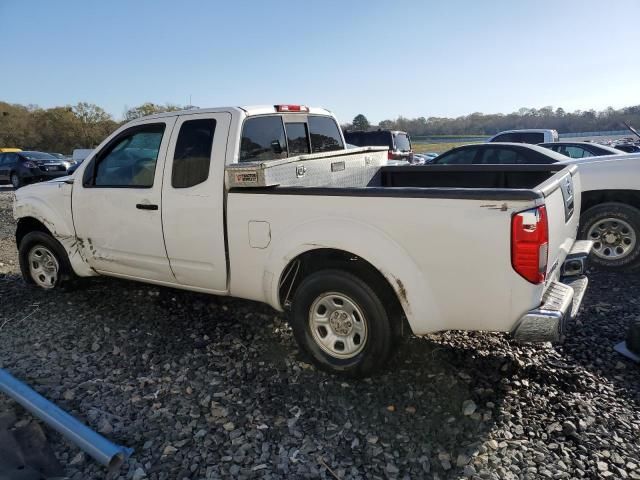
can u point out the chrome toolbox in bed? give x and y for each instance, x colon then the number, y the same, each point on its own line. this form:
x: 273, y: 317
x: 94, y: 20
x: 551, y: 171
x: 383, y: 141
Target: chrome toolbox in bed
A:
x: 356, y: 166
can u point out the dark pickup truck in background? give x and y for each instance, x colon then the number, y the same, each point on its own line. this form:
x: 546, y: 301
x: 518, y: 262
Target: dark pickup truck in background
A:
x: 398, y: 143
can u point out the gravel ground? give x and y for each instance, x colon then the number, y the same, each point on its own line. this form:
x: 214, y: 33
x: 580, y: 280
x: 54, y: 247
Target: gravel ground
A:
x: 206, y: 387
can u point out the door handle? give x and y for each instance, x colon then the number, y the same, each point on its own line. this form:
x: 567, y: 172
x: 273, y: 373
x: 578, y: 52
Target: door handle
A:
x: 146, y: 206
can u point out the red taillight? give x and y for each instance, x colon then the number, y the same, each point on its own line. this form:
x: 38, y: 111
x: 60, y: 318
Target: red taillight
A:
x: 291, y: 108
x: 530, y: 244
x: 389, y: 155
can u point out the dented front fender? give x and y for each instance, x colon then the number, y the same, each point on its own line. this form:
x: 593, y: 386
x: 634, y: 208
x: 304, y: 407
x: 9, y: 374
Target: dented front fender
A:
x: 50, y: 204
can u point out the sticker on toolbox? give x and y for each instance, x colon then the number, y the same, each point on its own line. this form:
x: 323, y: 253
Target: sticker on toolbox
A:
x: 246, y: 177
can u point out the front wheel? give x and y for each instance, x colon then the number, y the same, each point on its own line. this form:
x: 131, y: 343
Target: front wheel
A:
x: 614, y: 229
x: 341, y: 323
x: 43, y: 261
x: 16, y: 181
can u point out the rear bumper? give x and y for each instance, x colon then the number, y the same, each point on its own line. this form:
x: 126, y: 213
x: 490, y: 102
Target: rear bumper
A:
x: 560, y: 302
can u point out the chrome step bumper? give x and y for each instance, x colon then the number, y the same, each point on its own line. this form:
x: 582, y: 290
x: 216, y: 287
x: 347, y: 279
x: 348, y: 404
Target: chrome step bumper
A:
x: 560, y: 302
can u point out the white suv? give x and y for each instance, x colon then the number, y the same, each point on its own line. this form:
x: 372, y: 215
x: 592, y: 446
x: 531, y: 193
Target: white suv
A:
x: 533, y: 135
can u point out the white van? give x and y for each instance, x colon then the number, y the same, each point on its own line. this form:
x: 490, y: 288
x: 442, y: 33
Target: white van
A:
x: 533, y: 135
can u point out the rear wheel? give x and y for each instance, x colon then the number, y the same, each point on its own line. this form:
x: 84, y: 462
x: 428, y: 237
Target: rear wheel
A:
x: 16, y: 181
x: 633, y: 337
x: 341, y: 323
x: 43, y: 261
x: 614, y: 229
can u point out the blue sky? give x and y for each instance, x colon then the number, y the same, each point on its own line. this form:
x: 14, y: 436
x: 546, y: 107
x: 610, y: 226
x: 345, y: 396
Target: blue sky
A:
x: 380, y: 58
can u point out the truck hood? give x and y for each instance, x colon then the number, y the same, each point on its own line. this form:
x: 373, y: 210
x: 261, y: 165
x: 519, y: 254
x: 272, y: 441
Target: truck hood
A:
x: 59, y: 179
x: 41, y: 190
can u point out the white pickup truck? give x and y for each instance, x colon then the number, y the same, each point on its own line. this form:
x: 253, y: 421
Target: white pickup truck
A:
x: 355, y: 260
x: 611, y: 209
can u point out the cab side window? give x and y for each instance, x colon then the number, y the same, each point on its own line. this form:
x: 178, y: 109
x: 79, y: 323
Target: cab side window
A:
x: 192, y: 157
x: 129, y: 161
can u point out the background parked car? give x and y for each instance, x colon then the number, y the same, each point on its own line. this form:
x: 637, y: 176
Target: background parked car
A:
x: 628, y: 147
x: 609, y: 200
x: 498, y: 153
x: 424, y: 158
x: 20, y: 168
x: 581, y: 149
x: 79, y: 154
x: 398, y: 142
x: 533, y: 135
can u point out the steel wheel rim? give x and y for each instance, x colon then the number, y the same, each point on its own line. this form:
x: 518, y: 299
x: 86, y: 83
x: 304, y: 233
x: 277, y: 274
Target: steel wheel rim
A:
x: 613, y: 239
x: 338, y: 325
x: 43, y: 266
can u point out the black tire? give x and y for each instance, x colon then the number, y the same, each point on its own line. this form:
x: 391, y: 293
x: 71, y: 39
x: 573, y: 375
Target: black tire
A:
x: 16, y: 181
x: 614, y: 210
x: 379, y: 338
x: 65, y: 274
x: 633, y: 337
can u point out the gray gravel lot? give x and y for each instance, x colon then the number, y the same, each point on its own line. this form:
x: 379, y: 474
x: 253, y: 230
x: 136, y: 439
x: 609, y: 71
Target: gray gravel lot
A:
x: 206, y: 387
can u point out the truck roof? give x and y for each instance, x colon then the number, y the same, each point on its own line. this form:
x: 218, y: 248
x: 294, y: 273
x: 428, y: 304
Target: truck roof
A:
x: 249, y: 110
x: 379, y: 130
x: 527, y: 130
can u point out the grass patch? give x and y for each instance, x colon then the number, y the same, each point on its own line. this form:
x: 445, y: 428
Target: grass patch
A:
x: 436, y: 147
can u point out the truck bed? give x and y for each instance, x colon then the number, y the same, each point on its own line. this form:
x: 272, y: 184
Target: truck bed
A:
x: 488, y: 182
x: 434, y: 231
x: 468, y: 176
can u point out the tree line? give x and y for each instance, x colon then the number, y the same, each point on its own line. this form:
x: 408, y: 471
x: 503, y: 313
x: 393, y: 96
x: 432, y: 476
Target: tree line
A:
x: 63, y: 129
x: 490, y: 124
x: 85, y: 125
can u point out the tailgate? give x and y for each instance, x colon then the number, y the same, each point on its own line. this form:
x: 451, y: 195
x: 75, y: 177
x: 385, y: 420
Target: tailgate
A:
x: 562, y: 201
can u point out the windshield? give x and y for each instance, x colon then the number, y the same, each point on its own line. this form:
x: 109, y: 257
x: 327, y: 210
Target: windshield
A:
x: 402, y: 142
x: 37, y: 156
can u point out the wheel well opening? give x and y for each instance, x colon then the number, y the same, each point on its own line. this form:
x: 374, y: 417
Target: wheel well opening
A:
x: 29, y: 224
x: 326, y: 258
x: 596, y: 197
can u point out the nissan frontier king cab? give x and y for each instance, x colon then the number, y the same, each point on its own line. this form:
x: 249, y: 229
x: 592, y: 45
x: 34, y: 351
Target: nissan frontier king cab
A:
x: 265, y: 203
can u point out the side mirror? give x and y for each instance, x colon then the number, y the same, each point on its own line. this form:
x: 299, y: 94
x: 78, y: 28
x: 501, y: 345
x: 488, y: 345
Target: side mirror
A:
x: 276, y: 147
